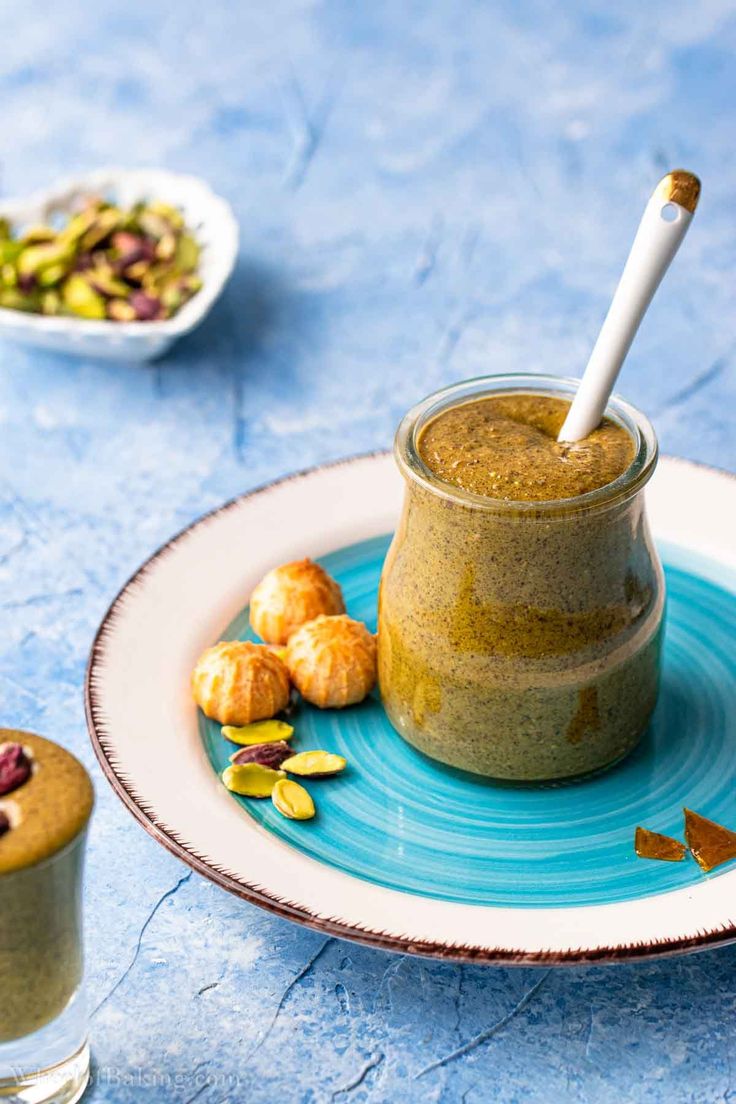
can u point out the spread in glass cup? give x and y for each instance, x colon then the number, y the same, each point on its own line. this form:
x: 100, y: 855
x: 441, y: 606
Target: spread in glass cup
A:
x: 521, y: 601
x: 44, y: 821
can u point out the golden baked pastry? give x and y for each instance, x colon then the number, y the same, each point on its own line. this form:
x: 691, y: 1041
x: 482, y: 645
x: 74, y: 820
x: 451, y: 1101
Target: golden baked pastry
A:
x: 289, y: 596
x: 236, y: 682
x: 332, y: 661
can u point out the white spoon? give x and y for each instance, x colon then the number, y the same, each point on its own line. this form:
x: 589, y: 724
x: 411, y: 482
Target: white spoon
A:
x: 666, y: 218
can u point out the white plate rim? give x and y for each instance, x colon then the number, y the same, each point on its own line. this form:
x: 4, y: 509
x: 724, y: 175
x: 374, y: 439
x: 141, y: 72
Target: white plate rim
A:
x: 683, y: 511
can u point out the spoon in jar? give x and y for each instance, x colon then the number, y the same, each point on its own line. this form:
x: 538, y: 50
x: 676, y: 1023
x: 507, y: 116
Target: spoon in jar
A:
x: 663, y: 226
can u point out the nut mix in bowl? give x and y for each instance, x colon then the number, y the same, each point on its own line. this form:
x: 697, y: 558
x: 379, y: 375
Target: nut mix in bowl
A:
x: 164, y: 310
x: 103, y: 261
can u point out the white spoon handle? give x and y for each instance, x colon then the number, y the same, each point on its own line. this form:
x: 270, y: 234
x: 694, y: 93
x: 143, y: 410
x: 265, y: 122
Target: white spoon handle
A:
x: 657, y: 240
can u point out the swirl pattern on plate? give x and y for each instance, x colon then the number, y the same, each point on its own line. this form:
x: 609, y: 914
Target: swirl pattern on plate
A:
x: 399, y: 820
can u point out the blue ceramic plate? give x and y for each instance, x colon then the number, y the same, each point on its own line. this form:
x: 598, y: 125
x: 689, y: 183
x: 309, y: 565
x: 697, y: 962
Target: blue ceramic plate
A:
x: 406, y: 853
x: 403, y: 821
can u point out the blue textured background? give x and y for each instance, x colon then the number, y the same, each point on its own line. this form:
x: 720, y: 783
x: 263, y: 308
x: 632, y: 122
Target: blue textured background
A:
x: 426, y: 191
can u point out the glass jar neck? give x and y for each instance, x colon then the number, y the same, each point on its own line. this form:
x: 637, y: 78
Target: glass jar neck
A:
x: 628, y: 484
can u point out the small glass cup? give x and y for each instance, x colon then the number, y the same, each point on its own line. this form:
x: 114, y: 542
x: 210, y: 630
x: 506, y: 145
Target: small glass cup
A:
x: 44, y: 1055
x: 521, y: 640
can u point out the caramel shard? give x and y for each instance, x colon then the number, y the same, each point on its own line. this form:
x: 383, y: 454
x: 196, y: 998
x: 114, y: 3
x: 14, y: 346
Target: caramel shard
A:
x: 653, y: 845
x: 711, y: 844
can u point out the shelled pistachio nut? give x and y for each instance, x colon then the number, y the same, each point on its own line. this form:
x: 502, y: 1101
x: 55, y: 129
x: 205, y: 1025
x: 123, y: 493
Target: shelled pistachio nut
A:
x: 268, y: 755
x: 314, y: 764
x: 80, y: 298
x: 259, y: 732
x: 251, y: 779
x: 292, y: 800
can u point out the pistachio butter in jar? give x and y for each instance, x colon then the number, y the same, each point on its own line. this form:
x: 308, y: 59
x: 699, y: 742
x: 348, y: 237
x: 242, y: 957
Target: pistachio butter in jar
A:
x: 45, y: 804
x: 521, y: 603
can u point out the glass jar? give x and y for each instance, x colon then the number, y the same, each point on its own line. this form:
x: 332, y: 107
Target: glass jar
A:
x: 521, y: 640
x: 44, y: 1056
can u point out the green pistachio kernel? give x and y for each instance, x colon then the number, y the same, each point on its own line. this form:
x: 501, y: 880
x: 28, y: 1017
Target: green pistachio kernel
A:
x: 10, y: 251
x: 50, y: 302
x: 34, y: 235
x: 78, y: 225
x: 35, y: 258
x: 292, y: 800
x: 167, y: 212
x: 16, y: 300
x: 251, y: 779
x: 260, y: 732
x: 156, y: 275
x: 82, y: 300
x: 153, y: 224
x: 166, y: 246
x: 137, y: 271
x: 120, y: 311
x: 187, y: 253
x: 103, y: 280
x: 104, y: 224
x: 47, y: 277
x: 171, y: 296
x: 130, y: 220
x: 314, y: 764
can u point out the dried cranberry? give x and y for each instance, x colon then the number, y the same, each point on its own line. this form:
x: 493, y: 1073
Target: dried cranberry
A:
x: 4, y: 823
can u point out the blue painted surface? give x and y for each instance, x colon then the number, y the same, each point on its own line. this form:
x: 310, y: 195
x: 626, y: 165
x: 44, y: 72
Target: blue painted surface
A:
x: 399, y: 820
x: 426, y: 191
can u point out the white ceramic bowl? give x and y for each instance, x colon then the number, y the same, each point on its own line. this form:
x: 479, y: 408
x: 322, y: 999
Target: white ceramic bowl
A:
x: 209, y: 216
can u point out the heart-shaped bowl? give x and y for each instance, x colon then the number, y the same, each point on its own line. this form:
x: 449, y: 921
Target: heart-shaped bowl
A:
x: 210, y: 218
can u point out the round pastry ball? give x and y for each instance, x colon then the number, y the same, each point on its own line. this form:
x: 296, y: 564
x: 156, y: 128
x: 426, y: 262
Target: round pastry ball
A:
x: 237, y: 682
x: 291, y: 595
x: 332, y: 661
